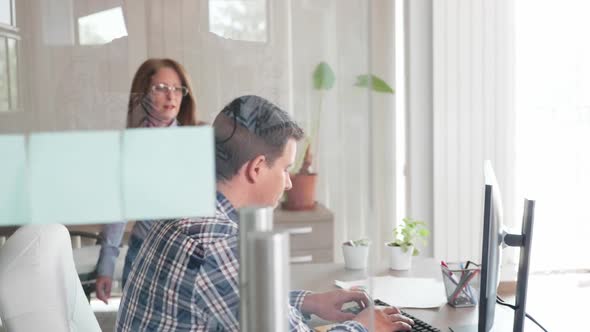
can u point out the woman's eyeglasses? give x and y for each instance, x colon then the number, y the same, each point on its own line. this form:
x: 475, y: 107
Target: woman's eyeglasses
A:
x: 162, y: 88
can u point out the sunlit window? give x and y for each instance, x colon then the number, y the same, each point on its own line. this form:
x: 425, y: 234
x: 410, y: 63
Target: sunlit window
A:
x: 553, y: 125
x: 4, y: 100
x: 6, y: 15
x: 238, y: 19
x: 102, y: 27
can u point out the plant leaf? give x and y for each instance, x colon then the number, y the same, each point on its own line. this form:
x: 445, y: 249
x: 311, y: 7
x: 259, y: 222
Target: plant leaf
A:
x: 377, y: 84
x: 404, y: 247
x: 323, y: 77
x: 361, y: 242
x: 423, y: 232
x: 410, y: 231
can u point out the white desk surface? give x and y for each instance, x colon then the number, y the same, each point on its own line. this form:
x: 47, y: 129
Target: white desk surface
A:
x: 320, y: 277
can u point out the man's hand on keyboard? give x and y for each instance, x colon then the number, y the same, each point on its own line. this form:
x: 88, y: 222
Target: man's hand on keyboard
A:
x: 328, y: 305
x: 387, y: 319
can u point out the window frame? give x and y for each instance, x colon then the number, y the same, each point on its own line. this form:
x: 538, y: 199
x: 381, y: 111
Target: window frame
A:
x: 12, y: 32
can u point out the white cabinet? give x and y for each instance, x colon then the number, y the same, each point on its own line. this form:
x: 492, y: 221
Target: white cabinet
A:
x: 312, y: 233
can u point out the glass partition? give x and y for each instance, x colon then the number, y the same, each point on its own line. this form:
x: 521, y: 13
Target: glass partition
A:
x: 68, y: 65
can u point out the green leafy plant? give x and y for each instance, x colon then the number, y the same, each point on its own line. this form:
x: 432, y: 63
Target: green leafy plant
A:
x: 357, y: 243
x: 377, y: 84
x: 407, y: 233
x: 323, y: 80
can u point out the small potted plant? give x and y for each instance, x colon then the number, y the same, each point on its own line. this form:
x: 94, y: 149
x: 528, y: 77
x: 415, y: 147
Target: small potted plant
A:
x: 403, y: 246
x: 356, y: 254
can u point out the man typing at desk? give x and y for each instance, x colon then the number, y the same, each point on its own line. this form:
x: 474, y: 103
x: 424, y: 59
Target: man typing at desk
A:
x: 186, y: 273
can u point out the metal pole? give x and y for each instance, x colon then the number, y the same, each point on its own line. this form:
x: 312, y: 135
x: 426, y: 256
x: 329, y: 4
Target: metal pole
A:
x: 252, y: 219
x: 268, y: 255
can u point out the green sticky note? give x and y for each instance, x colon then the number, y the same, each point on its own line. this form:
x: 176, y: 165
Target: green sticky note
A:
x: 13, y: 183
x: 168, y: 172
x: 75, y: 177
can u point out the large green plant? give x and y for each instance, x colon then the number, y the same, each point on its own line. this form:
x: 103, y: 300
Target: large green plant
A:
x: 407, y: 233
x: 323, y: 80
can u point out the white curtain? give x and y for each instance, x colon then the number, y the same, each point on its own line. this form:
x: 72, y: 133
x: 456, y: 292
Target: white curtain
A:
x: 356, y: 155
x: 473, y: 120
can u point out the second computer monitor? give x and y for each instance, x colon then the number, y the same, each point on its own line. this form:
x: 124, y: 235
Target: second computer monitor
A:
x: 491, y: 249
x: 494, y: 237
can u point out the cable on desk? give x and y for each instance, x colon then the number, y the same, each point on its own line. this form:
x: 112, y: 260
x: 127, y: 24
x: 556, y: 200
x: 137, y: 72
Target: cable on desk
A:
x: 500, y: 301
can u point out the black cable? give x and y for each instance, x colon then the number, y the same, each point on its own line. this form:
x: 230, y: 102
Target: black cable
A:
x: 233, y: 131
x: 500, y: 301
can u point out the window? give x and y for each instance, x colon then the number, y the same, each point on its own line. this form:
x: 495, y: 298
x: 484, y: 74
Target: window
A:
x: 7, y: 12
x: 552, y: 74
x: 102, y: 27
x: 9, y: 71
x: 238, y: 19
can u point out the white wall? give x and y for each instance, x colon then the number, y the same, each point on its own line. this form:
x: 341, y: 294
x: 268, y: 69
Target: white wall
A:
x: 68, y: 86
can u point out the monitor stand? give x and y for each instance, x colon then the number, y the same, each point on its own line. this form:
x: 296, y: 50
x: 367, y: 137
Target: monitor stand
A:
x: 524, y: 242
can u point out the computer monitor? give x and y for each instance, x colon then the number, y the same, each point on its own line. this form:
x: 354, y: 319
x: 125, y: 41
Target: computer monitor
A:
x: 494, y: 238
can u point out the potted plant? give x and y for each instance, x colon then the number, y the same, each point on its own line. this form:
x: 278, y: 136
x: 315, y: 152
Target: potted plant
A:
x: 302, y: 194
x: 403, y: 246
x: 356, y: 254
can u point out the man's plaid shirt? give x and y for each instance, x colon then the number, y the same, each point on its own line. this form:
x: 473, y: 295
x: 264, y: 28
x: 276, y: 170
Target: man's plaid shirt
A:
x: 185, y: 278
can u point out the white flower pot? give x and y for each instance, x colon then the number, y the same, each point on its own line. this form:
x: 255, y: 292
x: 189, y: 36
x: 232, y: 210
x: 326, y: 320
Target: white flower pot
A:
x: 398, y: 259
x: 355, y: 258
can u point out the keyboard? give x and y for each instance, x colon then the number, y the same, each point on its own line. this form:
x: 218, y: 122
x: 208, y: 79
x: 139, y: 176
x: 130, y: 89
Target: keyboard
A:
x: 419, y: 325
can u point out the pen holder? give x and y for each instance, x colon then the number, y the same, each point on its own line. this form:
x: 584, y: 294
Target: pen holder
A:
x: 461, y: 285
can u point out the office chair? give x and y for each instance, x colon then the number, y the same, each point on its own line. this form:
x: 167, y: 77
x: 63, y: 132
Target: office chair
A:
x: 86, y: 259
x: 85, y: 256
x: 40, y: 288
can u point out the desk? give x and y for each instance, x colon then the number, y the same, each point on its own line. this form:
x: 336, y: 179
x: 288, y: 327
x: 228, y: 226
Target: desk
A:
x: 320, y: 277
